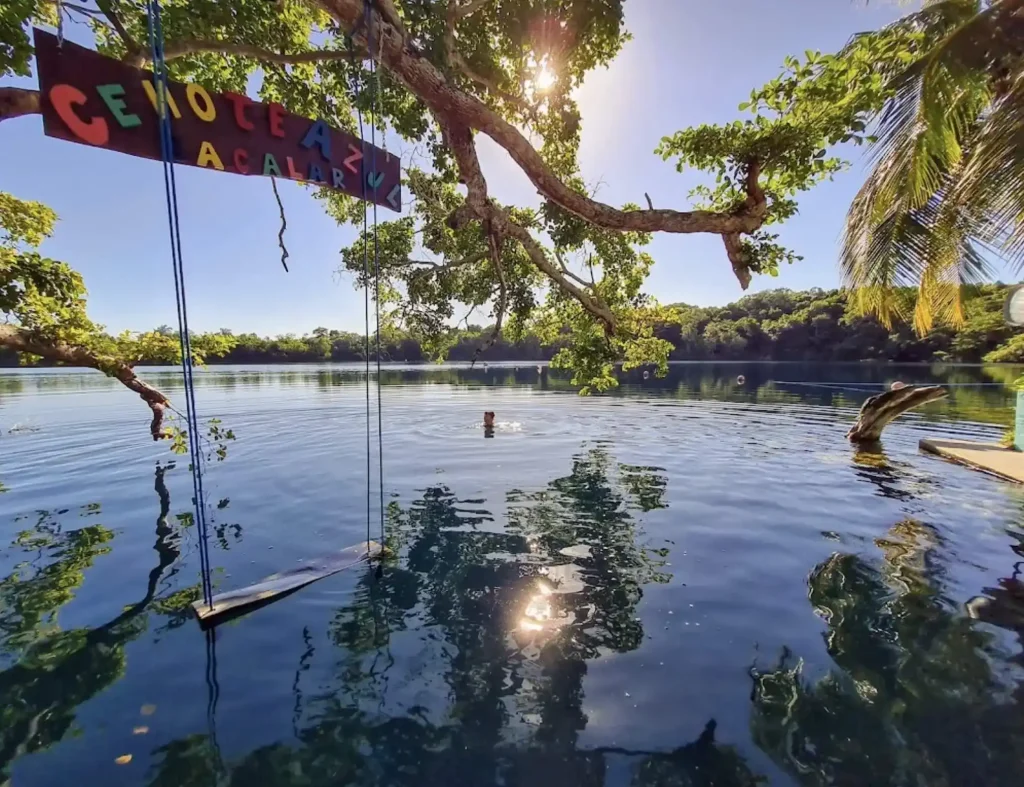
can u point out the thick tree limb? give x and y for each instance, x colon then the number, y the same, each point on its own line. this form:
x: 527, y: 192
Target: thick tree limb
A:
x: 479, y: 206
x: 20, y: 340
x: 878, y: 411
x: 16, y: 101
x: 447, y: 101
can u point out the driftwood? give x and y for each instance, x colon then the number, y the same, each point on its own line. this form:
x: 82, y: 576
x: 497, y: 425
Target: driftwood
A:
x: 878, y: 411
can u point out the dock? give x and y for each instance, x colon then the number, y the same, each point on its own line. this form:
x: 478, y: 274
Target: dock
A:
x: 1006, y: 463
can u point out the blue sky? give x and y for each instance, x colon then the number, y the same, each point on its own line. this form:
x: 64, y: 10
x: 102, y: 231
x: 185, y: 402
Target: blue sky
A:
x: 690, y: 62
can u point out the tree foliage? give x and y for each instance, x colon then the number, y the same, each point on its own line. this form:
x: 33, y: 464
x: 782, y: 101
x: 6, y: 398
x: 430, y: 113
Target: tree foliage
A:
x: 944, y: 193
x: 437, y: 74
x: 784, y: 325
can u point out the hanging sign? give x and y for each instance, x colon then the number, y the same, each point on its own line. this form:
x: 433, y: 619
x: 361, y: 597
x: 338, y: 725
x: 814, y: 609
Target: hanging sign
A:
x: 96, y: 100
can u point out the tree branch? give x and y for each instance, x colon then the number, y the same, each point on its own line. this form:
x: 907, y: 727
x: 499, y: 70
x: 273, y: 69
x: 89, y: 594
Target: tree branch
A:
x: 456, y: 106
x: 16, y: 101
x: 478, y: 206
x: 453, y: 14
x: 387, y: 7
x: 436, y: 267
x: 876, y: 413
x: 495, y: 243
x: 21, y: 340
x: 570, y: 274
x: 130, y: 44
x: 738, y: 257
x: 471, y: 8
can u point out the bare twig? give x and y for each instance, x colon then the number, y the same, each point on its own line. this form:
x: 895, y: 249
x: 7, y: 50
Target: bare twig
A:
x: 284, y: 225
x: 81, y: 9
x: 471, y: 8
x: 650, y: 205
x: 130, y: 44
x: 570, y: 274
x: 429, y: 266
x: 193, y: 46
x: 495, y: 243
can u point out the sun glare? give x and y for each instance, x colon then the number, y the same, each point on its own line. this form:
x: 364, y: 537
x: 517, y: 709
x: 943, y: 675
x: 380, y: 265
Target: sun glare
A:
x: 545, y: 78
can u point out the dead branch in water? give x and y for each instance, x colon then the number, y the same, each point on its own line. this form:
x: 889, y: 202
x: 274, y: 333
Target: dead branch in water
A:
x: 878, y: 411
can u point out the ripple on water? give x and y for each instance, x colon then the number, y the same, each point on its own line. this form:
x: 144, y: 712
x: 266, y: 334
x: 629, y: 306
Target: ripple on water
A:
x: 599, y: 579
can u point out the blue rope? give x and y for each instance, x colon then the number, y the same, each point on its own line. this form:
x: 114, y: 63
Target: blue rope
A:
x: 156, y: 43
x: 366, y: 274
x: 376, y: 264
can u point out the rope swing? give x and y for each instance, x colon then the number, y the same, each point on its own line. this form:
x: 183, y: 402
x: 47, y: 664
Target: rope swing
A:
x: 375, y: 97
x: 156, y: 44
x: 277, y: 585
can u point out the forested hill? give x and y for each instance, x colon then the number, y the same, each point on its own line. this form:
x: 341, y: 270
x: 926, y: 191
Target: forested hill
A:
x: 816, y: 325
x: 812, y: 325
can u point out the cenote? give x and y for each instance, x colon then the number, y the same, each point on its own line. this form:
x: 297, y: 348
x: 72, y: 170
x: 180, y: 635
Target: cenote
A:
x: 687, y: 581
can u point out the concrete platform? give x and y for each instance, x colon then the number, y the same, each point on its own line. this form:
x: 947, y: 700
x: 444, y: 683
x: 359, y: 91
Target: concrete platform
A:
x: 988, y: 457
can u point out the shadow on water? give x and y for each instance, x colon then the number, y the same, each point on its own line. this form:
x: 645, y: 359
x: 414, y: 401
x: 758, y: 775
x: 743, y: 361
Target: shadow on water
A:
x: 507, y: 622
x: 915, y: 697
x: 465, y: 662
x: 55, y: 671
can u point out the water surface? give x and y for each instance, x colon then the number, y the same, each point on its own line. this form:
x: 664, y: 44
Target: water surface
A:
x: 689, y: 581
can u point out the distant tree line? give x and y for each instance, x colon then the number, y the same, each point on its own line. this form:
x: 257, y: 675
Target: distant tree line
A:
x: 782, y: 325
x: 816, y: 325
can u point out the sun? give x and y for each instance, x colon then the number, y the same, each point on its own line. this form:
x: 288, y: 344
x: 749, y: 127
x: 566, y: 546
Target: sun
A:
x: 544, y: 79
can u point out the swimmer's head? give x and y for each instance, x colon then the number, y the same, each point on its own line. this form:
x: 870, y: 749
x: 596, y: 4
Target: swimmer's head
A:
x: 489, y: 418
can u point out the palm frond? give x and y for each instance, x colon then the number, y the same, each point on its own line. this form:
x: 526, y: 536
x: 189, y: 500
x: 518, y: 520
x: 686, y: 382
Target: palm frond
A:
x: 947, y: 169
x: 930, y: 248
x: 993, y: 177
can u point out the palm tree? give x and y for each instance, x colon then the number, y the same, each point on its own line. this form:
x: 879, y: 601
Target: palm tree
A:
x: 946, y: 191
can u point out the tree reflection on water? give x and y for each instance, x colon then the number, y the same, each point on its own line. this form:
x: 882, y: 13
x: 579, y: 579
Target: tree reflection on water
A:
x: 53, y: 671
x: 507, y: 620
x: 465, y: 662
x: 916, y: 698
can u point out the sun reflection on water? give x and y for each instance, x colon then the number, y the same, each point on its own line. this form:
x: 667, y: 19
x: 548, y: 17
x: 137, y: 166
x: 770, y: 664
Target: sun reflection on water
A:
x: 538, y: 613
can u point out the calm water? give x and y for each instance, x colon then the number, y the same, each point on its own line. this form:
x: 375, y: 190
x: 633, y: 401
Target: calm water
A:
x: 689, y: 582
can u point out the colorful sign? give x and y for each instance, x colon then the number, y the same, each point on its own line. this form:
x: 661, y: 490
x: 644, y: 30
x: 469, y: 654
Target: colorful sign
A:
x: 96, y: 100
